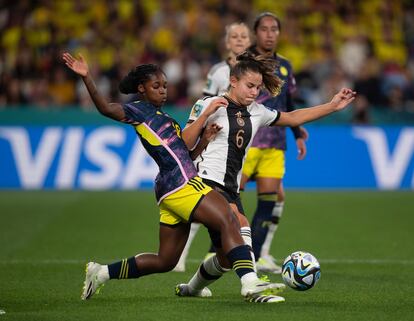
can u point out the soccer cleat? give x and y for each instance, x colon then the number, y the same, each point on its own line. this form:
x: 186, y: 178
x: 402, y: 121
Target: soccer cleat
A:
x: 184, y: 290
x: 267, y: 264
x: 93, y: 283
x: 261, y: 287
x: 262, y: 298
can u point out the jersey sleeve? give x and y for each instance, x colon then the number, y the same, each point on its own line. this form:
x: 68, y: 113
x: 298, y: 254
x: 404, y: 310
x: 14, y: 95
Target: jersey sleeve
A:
x: 212, y: 87
x: 132, y: 114
x: 197, y: 110
x: 268, y: 116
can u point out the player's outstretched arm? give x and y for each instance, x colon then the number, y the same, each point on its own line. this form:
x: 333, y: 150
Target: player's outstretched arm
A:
x: 79, y: 66
x: 298, y: 117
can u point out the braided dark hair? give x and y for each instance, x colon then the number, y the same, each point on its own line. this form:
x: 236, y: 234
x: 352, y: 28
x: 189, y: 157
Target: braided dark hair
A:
x: 139, y: 75
x: 246, y: 61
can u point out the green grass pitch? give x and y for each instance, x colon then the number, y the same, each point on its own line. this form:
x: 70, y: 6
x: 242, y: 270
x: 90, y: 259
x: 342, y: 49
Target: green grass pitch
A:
x: 364, y: 241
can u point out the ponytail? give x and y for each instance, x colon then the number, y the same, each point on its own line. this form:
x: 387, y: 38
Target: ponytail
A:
x: 260, y: 64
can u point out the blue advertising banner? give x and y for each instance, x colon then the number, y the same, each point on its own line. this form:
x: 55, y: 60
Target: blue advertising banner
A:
x: 111, y: 157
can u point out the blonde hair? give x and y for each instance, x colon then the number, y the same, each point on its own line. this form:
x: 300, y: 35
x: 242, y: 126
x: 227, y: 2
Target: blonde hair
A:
x: 235, y: 24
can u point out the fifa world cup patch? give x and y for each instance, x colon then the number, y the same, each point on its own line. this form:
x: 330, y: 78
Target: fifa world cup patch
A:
x: 196, y: 110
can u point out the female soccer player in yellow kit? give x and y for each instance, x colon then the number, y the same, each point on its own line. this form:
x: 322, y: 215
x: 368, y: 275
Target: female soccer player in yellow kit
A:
x: 181, y: 195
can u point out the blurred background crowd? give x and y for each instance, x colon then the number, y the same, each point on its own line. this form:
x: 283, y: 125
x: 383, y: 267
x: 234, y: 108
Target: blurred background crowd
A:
x: 367, y: 45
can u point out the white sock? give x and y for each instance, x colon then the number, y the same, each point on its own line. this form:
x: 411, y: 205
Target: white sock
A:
x: 246, y: 234
x: 213, y: 268
x: 193, y: 231
x: 277, y: 212
x: 249, y: 278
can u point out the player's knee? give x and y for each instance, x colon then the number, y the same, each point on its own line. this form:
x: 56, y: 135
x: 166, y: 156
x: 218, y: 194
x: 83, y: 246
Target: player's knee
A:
x: 280, y: 194
x: 228, y: 219
x: 232, y: 222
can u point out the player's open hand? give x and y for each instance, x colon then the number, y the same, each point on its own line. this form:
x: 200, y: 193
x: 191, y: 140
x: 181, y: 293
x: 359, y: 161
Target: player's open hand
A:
x: 210, y: 132
x: 343, y: 98
x: 77, y: 65
x: 216, y: 104
x: 301, y: 145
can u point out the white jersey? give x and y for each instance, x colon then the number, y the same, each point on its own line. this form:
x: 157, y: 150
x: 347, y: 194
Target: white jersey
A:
x: 218, y: 79
x: 223, y: 158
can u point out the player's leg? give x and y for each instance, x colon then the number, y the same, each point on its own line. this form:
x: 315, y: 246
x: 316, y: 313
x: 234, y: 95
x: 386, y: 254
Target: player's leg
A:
x: 210, y: 269
x: 172, y: 241
x: 215, y: 213
x: 180, y: 267
x: 270, y: 172
x: 245, y: 229
x: 239, y: 257
x: 276, y: 215
x: 265, y: 223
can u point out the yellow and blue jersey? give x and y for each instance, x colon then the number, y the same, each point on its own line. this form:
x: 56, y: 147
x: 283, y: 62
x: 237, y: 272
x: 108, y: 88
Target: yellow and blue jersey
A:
x: 161, y: 137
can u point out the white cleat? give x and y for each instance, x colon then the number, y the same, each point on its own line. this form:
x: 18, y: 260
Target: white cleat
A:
x: 261, y: 287
x: 265, y: 298
x: 267, y: 264
x: 184, y: 290
x: 93, y: 283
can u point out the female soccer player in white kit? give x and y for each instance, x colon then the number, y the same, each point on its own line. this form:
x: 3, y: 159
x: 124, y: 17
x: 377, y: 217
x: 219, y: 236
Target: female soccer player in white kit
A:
x: 220, y: 161
x: 237, y: 40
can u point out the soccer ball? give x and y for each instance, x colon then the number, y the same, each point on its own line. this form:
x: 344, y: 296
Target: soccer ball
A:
x: 301, y: 271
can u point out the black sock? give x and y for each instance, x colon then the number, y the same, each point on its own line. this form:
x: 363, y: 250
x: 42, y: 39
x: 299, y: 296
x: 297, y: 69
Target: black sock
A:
x: 261, y: 221
x: 241, y: 260
x: 125, y: 269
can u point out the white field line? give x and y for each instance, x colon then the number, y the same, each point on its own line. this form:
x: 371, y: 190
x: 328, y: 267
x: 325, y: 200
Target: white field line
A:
x: 192, y: 260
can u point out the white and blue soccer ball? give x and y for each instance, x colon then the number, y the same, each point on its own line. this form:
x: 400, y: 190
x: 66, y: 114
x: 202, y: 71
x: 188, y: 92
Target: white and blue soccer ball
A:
x: 301, y: 271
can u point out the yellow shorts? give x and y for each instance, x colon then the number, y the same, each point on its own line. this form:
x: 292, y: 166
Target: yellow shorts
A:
x: 266, y: 162
x: 180, y: 206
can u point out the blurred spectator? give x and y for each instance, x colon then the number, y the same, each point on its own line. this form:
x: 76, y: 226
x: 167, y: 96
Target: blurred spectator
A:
x: 365, y: 44
x: 353, y: 54
x: 181, y: 71
x: 394, y: 83
x: 61, y: 88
